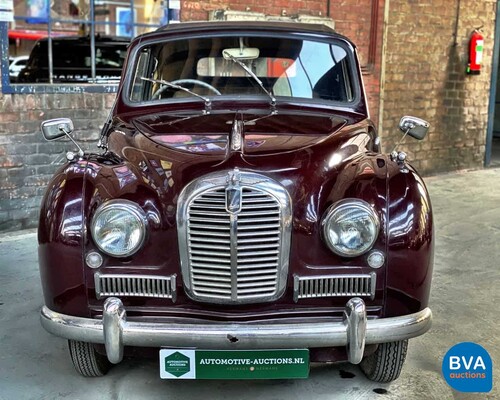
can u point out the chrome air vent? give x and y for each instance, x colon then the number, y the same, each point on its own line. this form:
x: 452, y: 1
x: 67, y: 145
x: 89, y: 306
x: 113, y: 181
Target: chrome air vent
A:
x: 306, y: 287
x: 234, y: 238
x: 135, y: 285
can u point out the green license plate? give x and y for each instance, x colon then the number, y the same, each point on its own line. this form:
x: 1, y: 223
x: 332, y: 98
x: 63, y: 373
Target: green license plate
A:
x: 234, y: 364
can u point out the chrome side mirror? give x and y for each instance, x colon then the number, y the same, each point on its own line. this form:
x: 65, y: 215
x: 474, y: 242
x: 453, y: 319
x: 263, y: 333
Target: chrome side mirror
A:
x: 415, y: 127
x: 53, y: 129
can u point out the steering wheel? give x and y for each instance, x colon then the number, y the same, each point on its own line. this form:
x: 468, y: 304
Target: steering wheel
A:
x: 160, y: 90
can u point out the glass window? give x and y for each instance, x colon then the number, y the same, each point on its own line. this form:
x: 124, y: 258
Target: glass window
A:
x: 218, y: 66
x: 76, y: 41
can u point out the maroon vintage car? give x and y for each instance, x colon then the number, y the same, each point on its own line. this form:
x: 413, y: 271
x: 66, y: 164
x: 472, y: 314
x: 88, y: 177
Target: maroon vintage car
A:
x: 241, y: 221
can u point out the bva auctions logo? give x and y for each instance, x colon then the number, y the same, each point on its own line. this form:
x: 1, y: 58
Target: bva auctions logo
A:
x: 467, y: 367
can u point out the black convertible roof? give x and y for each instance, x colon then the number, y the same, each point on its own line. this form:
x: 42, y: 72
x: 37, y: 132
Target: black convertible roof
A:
x: 252, y: 25
x: 219, y: 27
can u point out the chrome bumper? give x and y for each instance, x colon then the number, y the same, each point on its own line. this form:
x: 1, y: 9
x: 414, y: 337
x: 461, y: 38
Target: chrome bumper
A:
x: 114, y: 331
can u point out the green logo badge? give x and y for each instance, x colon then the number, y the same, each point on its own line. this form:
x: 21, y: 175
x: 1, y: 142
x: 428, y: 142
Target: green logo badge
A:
x: 177, y: 364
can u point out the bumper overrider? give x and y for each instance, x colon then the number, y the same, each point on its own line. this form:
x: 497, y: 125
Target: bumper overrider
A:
x: 115, y: 332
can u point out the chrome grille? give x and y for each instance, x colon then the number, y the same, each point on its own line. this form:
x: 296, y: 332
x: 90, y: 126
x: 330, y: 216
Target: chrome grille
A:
x: 234, y: 256
x: 135, y: 285
x: 306, y: 287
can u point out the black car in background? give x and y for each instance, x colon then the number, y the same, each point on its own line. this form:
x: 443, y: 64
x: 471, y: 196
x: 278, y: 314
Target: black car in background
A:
x: 72, y: 61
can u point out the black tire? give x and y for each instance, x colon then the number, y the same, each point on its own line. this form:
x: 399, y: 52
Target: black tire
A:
x: 386, y: 363
x: 86, y: 360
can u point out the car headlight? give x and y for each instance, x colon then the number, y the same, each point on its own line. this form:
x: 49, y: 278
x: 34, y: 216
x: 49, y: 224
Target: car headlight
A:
x: 119, y: 228
x: 350, y: 227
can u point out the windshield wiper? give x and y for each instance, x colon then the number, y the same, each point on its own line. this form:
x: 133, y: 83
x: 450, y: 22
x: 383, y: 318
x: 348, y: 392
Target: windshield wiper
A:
x: 255, y: 77
x: 208, y: 103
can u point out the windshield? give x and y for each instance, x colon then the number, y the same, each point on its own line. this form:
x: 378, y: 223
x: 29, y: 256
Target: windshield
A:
x: 285, y: 67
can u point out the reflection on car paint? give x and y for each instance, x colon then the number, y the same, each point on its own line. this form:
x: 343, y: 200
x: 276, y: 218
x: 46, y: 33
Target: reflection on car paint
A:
x: 125, y: 176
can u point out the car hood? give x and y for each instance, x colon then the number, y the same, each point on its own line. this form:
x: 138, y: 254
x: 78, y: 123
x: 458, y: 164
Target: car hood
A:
x: 257, y: 132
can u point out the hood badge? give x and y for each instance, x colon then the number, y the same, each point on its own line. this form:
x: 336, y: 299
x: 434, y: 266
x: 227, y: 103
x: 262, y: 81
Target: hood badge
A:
x: 233, y: 192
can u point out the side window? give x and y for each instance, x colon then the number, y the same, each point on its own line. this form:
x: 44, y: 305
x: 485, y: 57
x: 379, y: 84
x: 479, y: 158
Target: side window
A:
x: 139, y: 85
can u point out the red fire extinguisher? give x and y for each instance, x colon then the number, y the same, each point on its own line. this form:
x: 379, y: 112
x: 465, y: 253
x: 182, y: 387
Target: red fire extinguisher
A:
x: 476, y: 46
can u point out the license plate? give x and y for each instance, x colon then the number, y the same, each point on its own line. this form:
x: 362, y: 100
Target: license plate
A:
x: 234, y: 364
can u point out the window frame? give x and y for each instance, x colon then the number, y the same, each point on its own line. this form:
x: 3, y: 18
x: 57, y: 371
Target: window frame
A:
x: 9, y: 87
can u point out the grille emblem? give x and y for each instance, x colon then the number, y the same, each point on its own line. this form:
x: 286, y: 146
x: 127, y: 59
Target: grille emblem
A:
x: 233, y: 200
x: 233, y: 192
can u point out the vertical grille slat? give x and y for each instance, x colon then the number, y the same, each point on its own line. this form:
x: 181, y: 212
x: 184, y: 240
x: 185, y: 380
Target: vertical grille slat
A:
x: 335, y: 286
x: 135, y: 285
x: 242, y: 242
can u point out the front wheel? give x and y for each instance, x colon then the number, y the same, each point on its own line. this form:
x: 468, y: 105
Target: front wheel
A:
x: 385, y: 364
x: 86, y: 360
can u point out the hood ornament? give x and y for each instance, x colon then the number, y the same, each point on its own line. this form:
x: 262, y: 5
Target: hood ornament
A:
x: 236, y: 135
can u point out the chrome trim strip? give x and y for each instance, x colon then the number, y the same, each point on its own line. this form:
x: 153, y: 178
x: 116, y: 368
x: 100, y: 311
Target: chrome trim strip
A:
x: 374, y: 284
x: 233, y: 228
x: 296, y: 286
x: 221, y: 336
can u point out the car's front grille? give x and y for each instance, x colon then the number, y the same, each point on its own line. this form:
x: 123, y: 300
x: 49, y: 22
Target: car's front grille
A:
x: 257, y: 245
x: 306, y: 287
x: 135, y: 285
x: 241, y: 256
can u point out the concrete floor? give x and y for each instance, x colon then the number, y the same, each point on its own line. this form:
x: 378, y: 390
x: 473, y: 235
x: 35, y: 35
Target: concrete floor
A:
x: 465, y: 300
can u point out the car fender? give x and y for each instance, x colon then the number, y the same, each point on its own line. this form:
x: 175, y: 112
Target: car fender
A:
x: 60, y: 240
x: 410, y: 241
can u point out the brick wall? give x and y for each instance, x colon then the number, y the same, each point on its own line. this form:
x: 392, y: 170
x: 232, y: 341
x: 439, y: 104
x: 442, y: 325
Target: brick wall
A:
x: 27, y: 161
x: 425, y: 76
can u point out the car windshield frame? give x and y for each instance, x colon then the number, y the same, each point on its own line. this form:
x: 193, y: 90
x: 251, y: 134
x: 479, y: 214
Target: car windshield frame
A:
x: 135, y: 51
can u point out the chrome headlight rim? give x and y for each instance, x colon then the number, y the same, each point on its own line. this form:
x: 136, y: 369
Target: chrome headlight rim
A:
x: 342, y: 205
x: 123, y: 205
